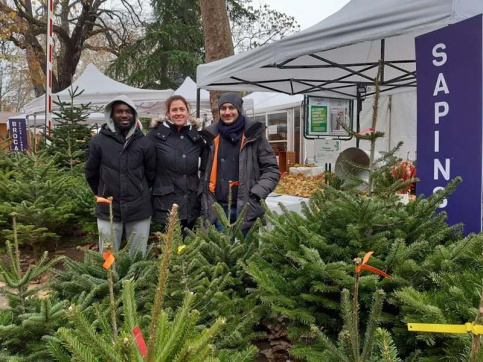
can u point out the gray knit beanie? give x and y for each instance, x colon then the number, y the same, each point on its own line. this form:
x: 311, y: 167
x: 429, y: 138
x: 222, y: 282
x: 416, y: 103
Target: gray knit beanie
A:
x: 232, y: 98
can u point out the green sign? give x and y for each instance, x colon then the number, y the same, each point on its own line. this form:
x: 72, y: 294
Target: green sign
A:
x: 318, y: 117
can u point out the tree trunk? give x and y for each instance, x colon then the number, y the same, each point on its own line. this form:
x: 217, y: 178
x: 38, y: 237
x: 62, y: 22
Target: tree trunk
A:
x: 218, y: 39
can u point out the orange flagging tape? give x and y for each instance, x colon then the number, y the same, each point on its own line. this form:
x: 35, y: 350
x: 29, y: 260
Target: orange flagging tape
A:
x: 109, y: 259
x: 368, y: 267
x: 103, y: 200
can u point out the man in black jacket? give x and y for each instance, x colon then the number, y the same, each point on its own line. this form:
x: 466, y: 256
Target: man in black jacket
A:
x: 121, y: 163
x: 237, y: 157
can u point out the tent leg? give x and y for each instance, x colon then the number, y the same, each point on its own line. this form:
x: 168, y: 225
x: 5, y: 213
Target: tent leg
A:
x: 358, y: 117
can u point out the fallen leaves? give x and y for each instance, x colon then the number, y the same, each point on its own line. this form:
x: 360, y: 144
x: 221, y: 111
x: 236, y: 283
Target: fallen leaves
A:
x: 299, y: 184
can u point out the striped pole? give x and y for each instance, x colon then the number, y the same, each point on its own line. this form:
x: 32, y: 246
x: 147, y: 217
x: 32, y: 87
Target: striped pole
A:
x: 48, y: 71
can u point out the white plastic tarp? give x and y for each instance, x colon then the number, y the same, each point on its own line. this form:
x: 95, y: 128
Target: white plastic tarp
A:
x: 349, y: 41
x: 99, y: 89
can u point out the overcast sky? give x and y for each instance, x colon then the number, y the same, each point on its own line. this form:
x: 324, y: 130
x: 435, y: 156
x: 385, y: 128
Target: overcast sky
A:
x: 306, y: 12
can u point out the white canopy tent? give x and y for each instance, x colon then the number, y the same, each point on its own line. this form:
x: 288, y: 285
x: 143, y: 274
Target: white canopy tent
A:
x: 99, y: 89
x: 188, y: 90
x: 341, y: 52
x: 339, y: 56
x: 270, y: 101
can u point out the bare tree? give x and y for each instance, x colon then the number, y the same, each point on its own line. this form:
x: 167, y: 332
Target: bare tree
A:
x: 15, y: 86
x: 23, y: 22
x: 253, y: 27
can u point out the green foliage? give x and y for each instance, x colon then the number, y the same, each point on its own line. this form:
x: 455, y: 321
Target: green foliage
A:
x: 377, y: 344
x: 306, y: 260
x: 50, y: 202
x: 70, y: 136
x: 162, y: 58
x: 85, y: 283
x: 94, y: 337
x: 29, y: 317
x: 448, y: 293
x: 177, y: 339
x: 211, y: 265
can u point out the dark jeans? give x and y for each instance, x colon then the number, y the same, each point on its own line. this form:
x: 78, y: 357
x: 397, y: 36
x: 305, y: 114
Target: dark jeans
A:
x: 233, y: 215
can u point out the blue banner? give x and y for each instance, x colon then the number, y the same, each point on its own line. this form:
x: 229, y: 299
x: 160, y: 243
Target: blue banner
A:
x: 18, y: 134
x: 449, y: 132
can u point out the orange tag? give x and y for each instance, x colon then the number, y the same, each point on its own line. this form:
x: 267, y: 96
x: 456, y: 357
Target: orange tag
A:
x: 368, y: 267
x: 375, y: 271
x: 234, y: 183
x: 103, y: 200
x: 109, y: 259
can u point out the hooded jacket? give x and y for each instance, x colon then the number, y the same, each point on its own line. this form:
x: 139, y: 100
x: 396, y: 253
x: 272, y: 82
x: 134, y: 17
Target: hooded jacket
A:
x: 121, y: 167
x: 258, y: 171
x: 177, y: 158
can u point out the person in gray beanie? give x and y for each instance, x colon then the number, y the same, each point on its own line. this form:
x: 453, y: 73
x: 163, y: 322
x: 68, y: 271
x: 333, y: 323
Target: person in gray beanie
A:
x: 237, y: 157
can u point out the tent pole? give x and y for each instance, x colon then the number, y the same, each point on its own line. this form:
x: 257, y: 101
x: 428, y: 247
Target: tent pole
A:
x: 359, y: 100
x: 383, y: 51
x: 198, y: 106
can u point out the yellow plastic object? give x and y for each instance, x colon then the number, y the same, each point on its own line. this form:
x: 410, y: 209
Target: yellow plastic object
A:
x: 446, y: 328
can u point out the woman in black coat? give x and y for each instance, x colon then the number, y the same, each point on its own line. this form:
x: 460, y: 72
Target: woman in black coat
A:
x: 178, y: 150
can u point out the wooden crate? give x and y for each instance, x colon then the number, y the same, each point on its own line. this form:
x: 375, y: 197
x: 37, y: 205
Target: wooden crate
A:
x: 286, y: 159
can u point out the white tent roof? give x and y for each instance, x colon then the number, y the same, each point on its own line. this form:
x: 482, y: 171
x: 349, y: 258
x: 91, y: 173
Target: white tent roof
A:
x: 270, y: 101
x: 331, y: 57
x: 99, y: 89
x: 188, y: 90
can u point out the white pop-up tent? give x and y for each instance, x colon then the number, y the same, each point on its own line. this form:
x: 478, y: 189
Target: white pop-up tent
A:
x: 339, y: 57
x: 189, y: 90
x: 335, y: 56
x: 99, y: 89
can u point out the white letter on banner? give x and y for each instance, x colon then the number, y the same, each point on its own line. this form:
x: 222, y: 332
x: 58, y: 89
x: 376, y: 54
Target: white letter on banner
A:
x: 437, y: 113
x: 439, y: 167
x: 445, y: 201
x: 14, y: 124
x: 441, y: 55
x: 440, y: 85
x: 436, y: 141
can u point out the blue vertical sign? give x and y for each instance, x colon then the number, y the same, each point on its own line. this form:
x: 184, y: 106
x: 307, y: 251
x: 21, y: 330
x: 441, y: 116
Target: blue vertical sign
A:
x: 449, y: 139
x: 18, y: 134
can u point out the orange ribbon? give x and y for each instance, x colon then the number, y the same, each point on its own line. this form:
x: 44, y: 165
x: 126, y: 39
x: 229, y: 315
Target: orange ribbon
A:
x: 109, y: 259
x: 364, y: 266
x: 234, y: 183
x: 103, y: 200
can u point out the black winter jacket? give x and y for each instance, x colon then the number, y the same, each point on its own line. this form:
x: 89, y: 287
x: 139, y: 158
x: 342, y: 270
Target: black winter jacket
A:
x: 124, y: 170
x: 177, y: 159
x: 258, y: 172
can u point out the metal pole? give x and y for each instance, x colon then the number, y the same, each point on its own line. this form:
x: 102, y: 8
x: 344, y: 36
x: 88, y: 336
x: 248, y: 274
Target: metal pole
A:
x: 383, y: 50
x: 48, y: 70
x: 358, y: 117
x: 198, y: 105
